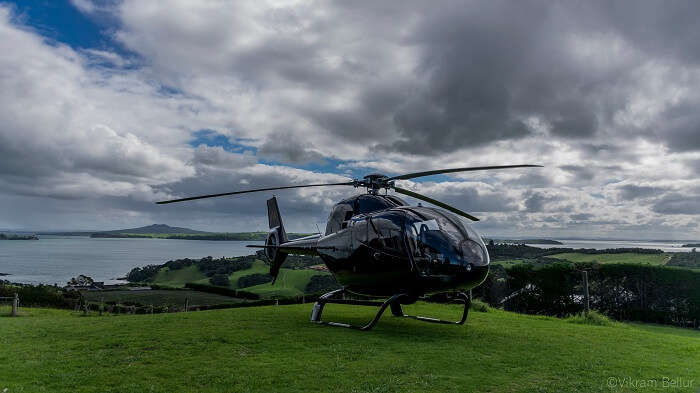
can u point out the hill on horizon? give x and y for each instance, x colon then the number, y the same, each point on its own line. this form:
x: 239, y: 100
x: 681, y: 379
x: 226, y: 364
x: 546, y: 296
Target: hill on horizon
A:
x: 155, y: 228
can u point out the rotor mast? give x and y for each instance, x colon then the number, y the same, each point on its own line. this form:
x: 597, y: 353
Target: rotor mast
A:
x: 375, y: 182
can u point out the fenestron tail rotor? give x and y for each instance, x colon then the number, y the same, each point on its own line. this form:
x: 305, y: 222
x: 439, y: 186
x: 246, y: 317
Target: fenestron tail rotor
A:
x: 374, y: 183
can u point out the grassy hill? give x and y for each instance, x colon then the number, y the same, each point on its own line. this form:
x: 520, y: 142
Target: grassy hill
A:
x: 162, y: 231
x: 276, y: 349
x: 291, y: 282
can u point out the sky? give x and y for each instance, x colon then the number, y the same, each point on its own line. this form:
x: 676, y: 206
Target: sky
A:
x: 107, y: 106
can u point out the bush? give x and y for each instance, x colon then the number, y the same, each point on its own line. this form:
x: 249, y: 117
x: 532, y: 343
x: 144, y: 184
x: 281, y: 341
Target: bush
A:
x: 220, y: 280
x: 479, y: 306
x: 643, y: 293
x: 254, y: 279
x: 593, y: 318
x: 222, y: 291
x: 321, y: 283
x: 38, y: 295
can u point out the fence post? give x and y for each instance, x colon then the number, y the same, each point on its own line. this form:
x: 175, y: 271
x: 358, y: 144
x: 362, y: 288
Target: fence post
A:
x: 187, y: 303
x: 102, y: 304
x: 15, y: 304
x: 587, y: 303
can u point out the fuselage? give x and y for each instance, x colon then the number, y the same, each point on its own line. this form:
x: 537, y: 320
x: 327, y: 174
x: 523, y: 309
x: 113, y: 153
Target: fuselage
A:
x: 377, y: 245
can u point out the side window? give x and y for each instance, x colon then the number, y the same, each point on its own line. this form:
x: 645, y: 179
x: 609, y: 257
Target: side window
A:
x: 387, y: 233
x: 359, y: 231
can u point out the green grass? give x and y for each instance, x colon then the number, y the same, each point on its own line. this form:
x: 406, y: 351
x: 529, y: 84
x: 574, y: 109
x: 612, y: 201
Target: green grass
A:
x: 276, y: 349
x: 508, y: 262
x: 258, y: 267
x: 291, y: 282
x: 628, y: 257
x: 178, y: 278
x: 160, y: 297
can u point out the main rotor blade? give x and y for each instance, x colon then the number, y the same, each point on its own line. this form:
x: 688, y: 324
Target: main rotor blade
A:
x: 435, y: 202
x: 468, y: 169
x: 253, y: 190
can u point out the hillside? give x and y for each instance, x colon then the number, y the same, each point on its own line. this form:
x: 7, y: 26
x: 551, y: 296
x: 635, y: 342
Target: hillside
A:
x: 154, y: 229
x: 162, y: 231
x: 276, y: 349
x: 291, y: 282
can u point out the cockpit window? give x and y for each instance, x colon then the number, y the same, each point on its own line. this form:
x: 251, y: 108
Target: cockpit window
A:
x: 438, y: 240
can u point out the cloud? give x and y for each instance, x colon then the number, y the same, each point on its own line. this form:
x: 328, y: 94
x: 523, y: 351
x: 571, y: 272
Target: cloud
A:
x: 287, y: 148
x: 600, y: 93
x: 630, y: 191
x: 676, y: 203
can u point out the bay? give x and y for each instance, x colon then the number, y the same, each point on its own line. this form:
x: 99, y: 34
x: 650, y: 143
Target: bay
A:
x: 666, y: 246
x: 55, y: 259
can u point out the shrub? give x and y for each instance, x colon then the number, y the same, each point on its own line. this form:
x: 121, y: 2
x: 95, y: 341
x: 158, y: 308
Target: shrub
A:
x: 479, y: 306
x: 254, y: 279
x: 321, y: 283
x: 593, y: 318
x: 220, y: 280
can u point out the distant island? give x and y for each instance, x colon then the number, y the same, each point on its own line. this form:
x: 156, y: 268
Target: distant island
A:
x: 691, y: 245
x: 18, y: 237
x: 528, y: 241
x: 162, y: 231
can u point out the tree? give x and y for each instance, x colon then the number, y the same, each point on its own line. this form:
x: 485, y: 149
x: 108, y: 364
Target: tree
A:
x: 81, y: 280
x: 220, y: 280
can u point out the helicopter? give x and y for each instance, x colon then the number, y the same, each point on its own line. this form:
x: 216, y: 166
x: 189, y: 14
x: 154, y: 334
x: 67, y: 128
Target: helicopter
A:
x: 378, y: 246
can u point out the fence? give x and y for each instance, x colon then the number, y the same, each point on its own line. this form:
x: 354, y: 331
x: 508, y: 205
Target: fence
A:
x: 14, y: 300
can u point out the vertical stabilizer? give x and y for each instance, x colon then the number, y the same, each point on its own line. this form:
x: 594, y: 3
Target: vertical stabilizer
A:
x: 275, y: 219
x: 276, y: 237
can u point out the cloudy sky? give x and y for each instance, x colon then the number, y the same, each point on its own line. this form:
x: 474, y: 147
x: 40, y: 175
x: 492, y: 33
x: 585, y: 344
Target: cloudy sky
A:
x: 109, y: 106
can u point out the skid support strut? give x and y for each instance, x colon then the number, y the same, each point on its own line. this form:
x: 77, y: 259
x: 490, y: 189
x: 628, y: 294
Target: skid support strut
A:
x: 394, y: 302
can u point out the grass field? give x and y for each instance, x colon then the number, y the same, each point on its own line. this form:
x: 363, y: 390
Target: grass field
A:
x: 160, y: 297
x: 178, y: 278
x: 508, y: 262
x: 291, y: 282
x: 628, y: 257
x: 276, y: 349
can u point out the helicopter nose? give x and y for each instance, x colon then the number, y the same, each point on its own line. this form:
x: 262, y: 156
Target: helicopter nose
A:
x: 474, y: 254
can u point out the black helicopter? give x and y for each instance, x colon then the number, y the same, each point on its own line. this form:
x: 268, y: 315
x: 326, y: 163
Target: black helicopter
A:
x: 376, y: 245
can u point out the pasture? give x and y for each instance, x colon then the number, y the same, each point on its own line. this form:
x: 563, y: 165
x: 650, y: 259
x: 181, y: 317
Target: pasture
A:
x: 277, y: 349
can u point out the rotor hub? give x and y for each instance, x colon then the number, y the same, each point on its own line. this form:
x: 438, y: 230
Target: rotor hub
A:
x: 374, y: 182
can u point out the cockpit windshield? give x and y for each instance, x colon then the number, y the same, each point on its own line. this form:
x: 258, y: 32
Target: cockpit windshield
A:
x: 438, y: 239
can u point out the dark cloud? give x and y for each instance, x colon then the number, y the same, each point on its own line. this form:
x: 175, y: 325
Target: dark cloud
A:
x: 580, y: 172
x: 682, y: 132
x: 537, y: 201
x: 677, y: 203
x: 581, y: 217
x: 630, y: 192
x: 286, y: 147
x: 694, y: 165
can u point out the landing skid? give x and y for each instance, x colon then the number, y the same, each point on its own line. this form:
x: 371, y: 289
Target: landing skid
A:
x: 393, y: 302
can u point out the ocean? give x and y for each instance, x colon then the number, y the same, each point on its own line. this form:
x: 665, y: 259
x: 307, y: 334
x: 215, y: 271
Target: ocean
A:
x: 55, y: 259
